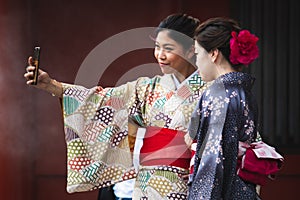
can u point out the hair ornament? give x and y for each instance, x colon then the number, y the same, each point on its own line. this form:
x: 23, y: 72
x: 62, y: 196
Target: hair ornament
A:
x: 244, y: 49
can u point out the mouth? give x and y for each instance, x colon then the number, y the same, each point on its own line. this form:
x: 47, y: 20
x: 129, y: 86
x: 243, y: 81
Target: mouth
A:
x: 163, y: 64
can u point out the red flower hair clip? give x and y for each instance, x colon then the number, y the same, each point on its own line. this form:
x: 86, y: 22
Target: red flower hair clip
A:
x: 243, y: 47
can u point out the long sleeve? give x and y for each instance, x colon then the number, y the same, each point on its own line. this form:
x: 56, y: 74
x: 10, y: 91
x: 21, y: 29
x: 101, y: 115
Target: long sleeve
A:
x: 228, y: 115
x: 96, y: 121
x: 96, y: 127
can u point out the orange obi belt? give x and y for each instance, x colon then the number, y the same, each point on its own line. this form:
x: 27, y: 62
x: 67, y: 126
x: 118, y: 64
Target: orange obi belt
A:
x: 163, y: 146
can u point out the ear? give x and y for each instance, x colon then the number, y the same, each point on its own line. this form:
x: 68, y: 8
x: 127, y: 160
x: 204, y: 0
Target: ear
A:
x: 214, y: 54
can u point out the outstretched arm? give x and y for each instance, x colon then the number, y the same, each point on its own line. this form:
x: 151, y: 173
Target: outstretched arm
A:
x: 45, y: 82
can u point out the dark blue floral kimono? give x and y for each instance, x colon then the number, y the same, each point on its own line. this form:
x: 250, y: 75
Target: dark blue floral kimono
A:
x: 226, y: 114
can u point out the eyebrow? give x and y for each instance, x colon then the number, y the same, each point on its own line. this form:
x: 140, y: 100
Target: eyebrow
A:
x: 164, y: 45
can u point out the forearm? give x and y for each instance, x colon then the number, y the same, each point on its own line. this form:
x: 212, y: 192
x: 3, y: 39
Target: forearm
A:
x: 55, y: 88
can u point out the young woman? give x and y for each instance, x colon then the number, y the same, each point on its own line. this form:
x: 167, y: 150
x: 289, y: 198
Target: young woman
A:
x: 100, y: 123
x: 226, y: 113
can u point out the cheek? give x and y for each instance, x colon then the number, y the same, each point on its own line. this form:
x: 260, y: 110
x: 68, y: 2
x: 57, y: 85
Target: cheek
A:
x: 155, y: 54
x: 200, y: 62
x: 173, y: 59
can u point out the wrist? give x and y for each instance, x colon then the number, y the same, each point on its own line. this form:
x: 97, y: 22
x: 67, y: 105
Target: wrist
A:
x: 55, y: 88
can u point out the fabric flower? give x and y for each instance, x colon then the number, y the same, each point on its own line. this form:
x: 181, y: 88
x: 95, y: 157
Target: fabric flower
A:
x: 243, y: 47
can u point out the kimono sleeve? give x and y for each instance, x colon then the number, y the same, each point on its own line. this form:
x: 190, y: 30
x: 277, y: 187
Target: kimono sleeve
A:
x: 96, y: 134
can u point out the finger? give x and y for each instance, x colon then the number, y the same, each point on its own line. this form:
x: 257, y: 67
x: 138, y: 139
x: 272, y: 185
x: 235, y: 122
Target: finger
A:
x: 30, y: 68
x: 30, y: 61
x: 29, y: 75
x: 29, y: 82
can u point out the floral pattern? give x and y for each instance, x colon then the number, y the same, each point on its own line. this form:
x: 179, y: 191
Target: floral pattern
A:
x: 225, y: 115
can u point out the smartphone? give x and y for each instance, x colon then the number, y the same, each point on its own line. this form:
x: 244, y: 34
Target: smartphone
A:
x: 36, y: 63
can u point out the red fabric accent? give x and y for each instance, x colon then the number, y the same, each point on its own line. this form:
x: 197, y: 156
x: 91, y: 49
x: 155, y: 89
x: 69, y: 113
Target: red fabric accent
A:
x: 166, y: 141
x: 192, y: 169
x: 249, y: 176
x: 260, y: 166
x: 193, y: 152
x: 257, y: 170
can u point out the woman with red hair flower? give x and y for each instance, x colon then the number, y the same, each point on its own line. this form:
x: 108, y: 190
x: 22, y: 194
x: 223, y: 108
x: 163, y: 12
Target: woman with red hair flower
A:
x: 226, y: 113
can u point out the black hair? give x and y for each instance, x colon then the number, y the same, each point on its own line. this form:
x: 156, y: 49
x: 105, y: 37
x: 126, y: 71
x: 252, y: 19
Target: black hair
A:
x: 215, y: 33
x: 181, y: 28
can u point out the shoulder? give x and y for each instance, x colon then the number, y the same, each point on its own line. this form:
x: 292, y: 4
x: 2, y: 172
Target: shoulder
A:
x: 154, y: 80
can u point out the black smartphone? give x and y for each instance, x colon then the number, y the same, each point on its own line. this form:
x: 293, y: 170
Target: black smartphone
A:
x: 36, y: 63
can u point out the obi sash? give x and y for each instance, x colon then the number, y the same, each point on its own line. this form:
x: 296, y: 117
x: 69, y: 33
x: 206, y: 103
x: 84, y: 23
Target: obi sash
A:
x: 163, y: 146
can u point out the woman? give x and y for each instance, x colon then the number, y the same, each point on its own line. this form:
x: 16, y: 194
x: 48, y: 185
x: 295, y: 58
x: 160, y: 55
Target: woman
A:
x: 101, y: 123
x: 227, y: 111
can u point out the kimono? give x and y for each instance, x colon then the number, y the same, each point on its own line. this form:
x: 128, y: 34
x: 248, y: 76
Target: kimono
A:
x: 100, y: 136
x: 226, y: 114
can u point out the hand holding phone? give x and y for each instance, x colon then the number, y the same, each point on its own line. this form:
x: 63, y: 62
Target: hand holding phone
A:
x: 36, y: 63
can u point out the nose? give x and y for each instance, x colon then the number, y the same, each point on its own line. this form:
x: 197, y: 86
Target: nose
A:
x: 161, y: 54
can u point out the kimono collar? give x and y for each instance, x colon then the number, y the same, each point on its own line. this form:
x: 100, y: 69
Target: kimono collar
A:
x: 241, y: 79
x: 176, y: 81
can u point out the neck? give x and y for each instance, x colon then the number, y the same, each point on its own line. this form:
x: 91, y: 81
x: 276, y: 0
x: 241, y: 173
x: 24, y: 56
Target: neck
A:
x: 181, y: 76
x: 224, y: 67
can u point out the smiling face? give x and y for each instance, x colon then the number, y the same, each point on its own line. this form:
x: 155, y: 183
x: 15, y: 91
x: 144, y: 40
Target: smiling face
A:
x: 170, y: 55
x: 204, y: 61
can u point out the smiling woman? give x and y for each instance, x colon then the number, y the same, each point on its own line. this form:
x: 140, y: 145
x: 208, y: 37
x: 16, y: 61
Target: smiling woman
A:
x: 101, y: 123
x: 171, y: 56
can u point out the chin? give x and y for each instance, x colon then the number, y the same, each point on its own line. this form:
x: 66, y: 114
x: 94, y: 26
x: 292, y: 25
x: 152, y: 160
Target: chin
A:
x: 166, y: 71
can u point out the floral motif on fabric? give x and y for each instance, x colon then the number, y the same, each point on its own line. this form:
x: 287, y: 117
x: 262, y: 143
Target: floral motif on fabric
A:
x: 225, y: 115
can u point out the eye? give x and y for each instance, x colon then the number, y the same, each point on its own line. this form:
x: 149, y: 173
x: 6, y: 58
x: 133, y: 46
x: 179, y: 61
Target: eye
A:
x: 169, y: 49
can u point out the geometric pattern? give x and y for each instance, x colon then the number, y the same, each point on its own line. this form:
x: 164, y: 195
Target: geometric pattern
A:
x: 96, y: 121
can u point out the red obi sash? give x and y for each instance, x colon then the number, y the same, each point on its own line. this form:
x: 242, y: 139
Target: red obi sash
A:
x: 163, y: 146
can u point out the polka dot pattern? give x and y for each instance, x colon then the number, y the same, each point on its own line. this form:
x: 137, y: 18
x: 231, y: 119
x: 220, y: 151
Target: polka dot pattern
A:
x: 165, y: 180
x: 97, y: 151
x: 187, y: 112
x: 177, y: 196
x: 111, y: 172
x: 79, y: 163
x: 87, y: 110
x: 118, y: 138
x: 76, y: 148
x: 129, y: 175
x: 105, y: 115
x: 101, y: 129
x: 161, y: 185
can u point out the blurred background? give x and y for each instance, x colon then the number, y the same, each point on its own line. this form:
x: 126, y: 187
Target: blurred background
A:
x: 33, y: 150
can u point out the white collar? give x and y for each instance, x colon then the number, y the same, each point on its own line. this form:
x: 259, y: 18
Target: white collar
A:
x: 176, y: 81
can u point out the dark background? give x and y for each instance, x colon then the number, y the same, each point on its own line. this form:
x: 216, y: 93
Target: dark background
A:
x: 33, y: 151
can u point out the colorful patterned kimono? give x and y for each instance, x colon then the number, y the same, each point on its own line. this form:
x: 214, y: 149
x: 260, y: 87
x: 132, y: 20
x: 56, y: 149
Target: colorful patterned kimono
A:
x: 225, y: 115
x: 99, y: 135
